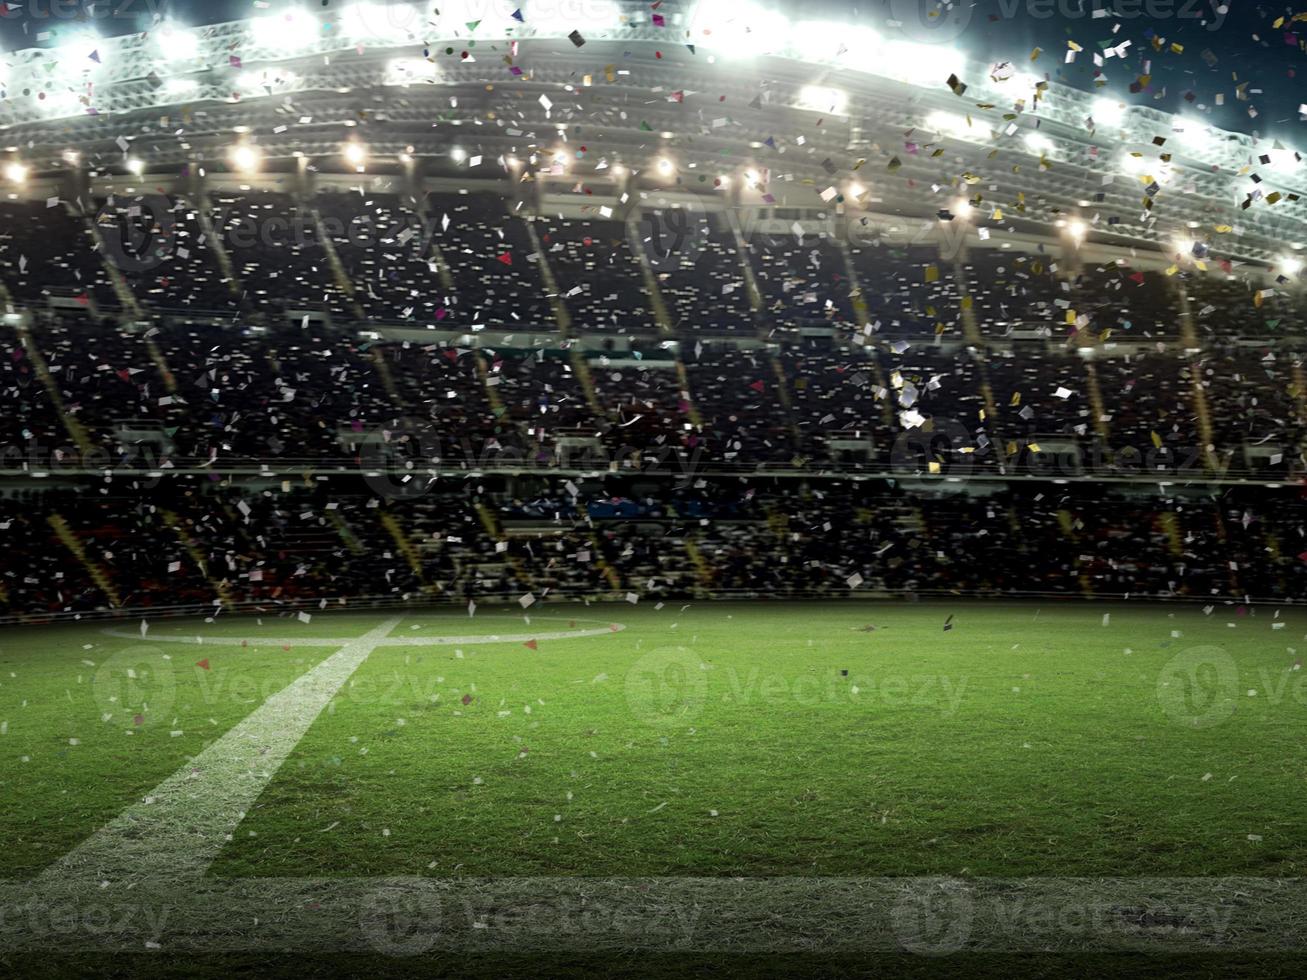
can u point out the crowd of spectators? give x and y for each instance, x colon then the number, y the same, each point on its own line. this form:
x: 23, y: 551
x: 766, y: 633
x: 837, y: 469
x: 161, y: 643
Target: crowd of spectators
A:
x: 267, y: 332
x: 180, y: 541
x: 197, y: 392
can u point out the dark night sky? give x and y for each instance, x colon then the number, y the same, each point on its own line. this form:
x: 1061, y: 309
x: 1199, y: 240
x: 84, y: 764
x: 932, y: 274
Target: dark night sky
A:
x: 1220, y: 51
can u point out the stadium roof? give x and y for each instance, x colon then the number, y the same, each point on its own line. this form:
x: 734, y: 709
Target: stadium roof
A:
x: 809, y: 110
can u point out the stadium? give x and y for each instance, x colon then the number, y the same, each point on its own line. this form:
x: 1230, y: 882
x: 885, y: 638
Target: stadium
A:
x: 648, y: 489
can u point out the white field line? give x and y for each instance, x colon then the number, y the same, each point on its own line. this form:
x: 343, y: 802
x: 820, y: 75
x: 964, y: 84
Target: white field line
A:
x: 416, y: 640
x: 182, y: 824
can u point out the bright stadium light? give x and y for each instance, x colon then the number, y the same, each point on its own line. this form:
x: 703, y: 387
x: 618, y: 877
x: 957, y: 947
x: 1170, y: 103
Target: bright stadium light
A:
x: 1109, y: 111
x: 356, y: 154
x: 81, y: 53
x: 820, y: 98
x: 961, y: 208
x: 919, y: 64
x: 287, y: 32
x: 1077, y: 229
x: 177, y: 43
x: 1282, y: 160
x: 948, y: 124
x: 738, y: 30
x: 458, y: 154
x: 263, y: 82
x: 549, y: 16
x: 828, y: 41
x: 1132, y: 164
x: 1038, y: 143
x: 245, y: 158
x: 136, y: 165
x: 409, y: 71
x: 381, y: 23
x: 666, y: 167
x: 15, y: 172
x: 62, y: 102
x: 1290, y: 265
x: 1192, y: 133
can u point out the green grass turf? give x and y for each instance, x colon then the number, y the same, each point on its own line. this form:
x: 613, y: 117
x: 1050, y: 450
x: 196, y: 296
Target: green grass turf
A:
x: 664, y: 966
x: 80, y: 738
x: 1025, y: 741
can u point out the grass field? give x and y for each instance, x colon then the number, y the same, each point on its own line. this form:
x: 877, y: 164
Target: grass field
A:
x: 703, y: 741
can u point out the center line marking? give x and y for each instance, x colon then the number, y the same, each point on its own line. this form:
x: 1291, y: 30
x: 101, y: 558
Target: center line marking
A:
x: 178, y: 833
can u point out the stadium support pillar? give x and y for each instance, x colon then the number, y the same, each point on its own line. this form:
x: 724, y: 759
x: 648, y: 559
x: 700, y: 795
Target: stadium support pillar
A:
x: 214, y: 240
x: 861, y: 311
x: 581, y: 368
x: 76, y: 431
x: 1096, y: 404
x: 406, y: 548
x: 970, y: 325
x: 609, y: 573
x: 703, y: 569
x: 343, y: 282
x: 683, y: 380
x: 126, y: 298
x: 561, y: 315
x: 174, y: 523
x: 661, y: 316
x: 492, y: 392
x: 70, y: 541
x: 750, y: 280
x: 387, y: 379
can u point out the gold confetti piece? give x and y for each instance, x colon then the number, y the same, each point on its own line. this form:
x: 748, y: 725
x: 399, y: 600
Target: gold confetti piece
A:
x: 1157, y: 440
x: 932, y: 273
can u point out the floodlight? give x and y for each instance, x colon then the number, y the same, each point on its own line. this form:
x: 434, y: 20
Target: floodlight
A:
x: 288, y: 32
x: 15, y: 172
x: 177, y: 43
x: 1109, y: 111
x: 821, y: 98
